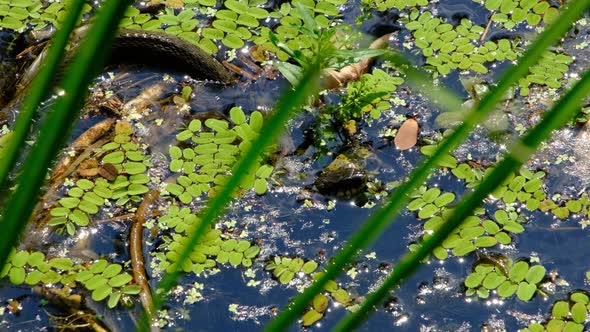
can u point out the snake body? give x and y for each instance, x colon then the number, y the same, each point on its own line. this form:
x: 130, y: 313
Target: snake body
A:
x: 153, y: 48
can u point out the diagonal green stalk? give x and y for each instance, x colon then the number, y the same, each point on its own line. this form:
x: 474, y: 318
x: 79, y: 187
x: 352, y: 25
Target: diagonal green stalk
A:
x: 372, y: 228
x: 556, y: 118
x: 444, y: 97
x: 287, y: 106
x: 87, y: 62
x: 38, y: 91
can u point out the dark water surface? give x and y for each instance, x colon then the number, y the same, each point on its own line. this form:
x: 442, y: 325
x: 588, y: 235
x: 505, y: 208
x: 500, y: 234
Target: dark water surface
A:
x: 431, y: 300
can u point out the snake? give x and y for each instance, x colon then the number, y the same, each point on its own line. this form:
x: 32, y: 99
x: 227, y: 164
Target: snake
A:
x: 343, y: 177
x: 131, y: 46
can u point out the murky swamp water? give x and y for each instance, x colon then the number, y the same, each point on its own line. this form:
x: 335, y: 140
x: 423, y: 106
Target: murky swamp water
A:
x: 293, y: 220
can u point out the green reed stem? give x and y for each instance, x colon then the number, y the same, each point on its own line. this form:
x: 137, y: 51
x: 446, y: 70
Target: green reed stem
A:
x: 89, y: 60
x: 288, y: 105
x: 38, y: 91
x: 556, y: 118
x: 372, y: 228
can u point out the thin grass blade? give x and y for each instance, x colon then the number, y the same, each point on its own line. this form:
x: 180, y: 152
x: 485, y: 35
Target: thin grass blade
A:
x: 286, y: 107
x: 87, y: 62
x: 556, y: 118
x: 372, y: 228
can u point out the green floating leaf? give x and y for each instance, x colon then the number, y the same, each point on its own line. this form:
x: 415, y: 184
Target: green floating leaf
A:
x: 310, y: 317
x: 101, y: 292
x: 535, y: 274
x: 525, y: 291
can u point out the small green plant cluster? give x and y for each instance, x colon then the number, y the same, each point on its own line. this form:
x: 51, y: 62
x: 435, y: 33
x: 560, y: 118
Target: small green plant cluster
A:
x: 212, y: 249
x: 562, y: 208
x: 447, y: 47
x: 19, y: 15
x: 291, y: 20
x: 320, y: 302
x: 549, y: 71
x: 105, y: 280
x: 429, y: 202
x: 525, y: 187
x: 231, y: 25
x: 235, y: 22
x: 383, y: 5
x: 207, y: 162
x: 507, y: 279
x: 474, y: 233
x: 509, y: 13
x: 285, y: 269
x: 369, y: 95
x: 566, y: 315
x: 86, y: 197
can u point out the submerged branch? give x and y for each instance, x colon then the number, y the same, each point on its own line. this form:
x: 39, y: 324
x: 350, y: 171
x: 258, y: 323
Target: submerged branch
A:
x: 136, y: 245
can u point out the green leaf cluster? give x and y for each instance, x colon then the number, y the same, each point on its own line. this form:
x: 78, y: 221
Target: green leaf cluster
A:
x: 206, y: 164
x: 474, y: 233
x: 87, y: 197
x: 19, y: 15
x: 509, y: 13
x: 320, y: 302
x: 525, y: 187
x: 429, y: 202
x: 107, y: 281
x: 369, y: 95
x: 289, y: 31
x: 102, y: 278
x: 447, y: 47
x: 383, y: 5
x: 550, y: 71
x: 566, y: 315
x: 562, y: 208
x: 518, y: 278
x: 284, y: 269
x: 213, y: 248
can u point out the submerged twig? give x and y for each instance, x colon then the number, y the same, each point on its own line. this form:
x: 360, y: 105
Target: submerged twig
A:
x: 485, y: 32
x: 238, y: 70
x: 72, y: 305
x: 81, y: 143
x: 135, y: 247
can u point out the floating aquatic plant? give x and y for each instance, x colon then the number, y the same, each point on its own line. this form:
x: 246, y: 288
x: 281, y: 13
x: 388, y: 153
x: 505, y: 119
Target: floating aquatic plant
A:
x: 286, y: 268
x: 510, y: 13
x: 566, y: 315
x: 207, y: 162
x: 518, y: 278
x: 383, y: 5
x: 103, y: 279
x: 127, y: 182
x: 213, y: 248
x: 447, y: 47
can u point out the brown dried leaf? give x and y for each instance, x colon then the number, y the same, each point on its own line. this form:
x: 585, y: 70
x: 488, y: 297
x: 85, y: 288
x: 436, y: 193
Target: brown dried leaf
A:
x: 335, y: 78
x: 407, y: 135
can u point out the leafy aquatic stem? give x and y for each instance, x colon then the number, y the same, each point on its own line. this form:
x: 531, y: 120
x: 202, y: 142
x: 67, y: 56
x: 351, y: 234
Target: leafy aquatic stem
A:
x: 373, y: 227
x: 38, y: 91
x: 88, y: 60
x: 521, y: 151
x: 289, y: 103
